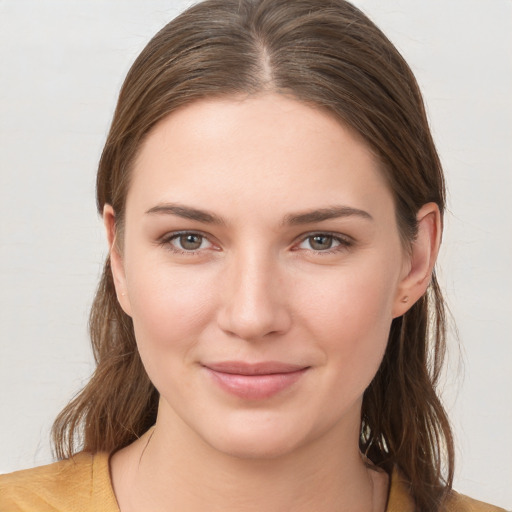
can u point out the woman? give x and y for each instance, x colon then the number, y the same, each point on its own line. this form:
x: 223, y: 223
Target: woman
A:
x: 268, y: 328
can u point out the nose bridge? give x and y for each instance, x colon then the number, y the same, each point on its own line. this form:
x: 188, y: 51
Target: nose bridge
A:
x: 253, y: 304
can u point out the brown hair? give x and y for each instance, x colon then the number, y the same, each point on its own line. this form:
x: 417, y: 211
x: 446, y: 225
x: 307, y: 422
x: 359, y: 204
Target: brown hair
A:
x: 330, y: 55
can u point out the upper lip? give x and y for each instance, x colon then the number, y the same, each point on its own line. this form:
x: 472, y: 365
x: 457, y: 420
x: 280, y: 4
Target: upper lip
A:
x: 261, y: 368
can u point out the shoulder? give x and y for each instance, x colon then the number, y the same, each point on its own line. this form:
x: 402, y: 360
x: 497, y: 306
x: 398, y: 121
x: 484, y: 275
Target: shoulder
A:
x: 79, y: 483
x: 460, y: 503
x: 400, y: 499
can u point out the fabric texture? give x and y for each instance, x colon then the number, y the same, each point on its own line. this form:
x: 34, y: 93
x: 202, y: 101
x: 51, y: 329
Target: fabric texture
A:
x: 83, y: 484
x: 80, y: 484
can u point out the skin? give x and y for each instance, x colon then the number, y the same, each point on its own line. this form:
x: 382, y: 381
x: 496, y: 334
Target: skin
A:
x: 260, y: 287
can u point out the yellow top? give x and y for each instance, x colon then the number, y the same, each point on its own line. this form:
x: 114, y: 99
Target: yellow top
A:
x: 83, y: 484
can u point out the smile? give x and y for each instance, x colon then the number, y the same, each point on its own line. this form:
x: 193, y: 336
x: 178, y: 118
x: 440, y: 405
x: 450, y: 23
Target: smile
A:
x: 254, y: 381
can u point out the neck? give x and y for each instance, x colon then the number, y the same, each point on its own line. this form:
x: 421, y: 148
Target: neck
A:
x: 167, y: 469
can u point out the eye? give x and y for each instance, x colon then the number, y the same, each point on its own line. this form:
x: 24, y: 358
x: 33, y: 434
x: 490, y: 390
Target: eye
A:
x: 186, y: 242
x: 189, y: 241
x: 324, y: 242
x: 320, y: 242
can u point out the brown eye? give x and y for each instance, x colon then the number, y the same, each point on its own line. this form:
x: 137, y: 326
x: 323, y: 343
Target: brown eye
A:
x: 320, y: 242
x: 325, y: 243
x: 189, y: 241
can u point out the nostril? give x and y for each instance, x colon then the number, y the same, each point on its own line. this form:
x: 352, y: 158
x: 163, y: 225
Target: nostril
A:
x: 251, y: 304
x: 255, y: 323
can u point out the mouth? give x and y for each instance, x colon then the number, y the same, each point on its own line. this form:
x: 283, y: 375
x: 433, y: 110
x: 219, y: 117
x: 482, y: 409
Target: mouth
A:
x: 254, y: 381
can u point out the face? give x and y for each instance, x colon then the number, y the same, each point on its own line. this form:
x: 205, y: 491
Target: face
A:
x: 262, y: 266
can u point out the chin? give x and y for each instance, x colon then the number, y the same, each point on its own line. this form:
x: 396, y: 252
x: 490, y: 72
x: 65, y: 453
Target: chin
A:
x: 254, y: 447
x: 257, y: 437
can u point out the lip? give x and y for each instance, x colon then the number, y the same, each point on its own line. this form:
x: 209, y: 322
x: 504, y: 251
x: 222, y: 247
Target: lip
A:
x: 254, y: 381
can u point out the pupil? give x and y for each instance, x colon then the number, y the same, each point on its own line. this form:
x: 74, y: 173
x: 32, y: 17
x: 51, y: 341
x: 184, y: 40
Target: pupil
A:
x: 321, y: 242
x: 190, y: 242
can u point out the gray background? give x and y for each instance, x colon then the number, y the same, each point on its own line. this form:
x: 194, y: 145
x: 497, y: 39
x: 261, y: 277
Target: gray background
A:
x: 62, y: 63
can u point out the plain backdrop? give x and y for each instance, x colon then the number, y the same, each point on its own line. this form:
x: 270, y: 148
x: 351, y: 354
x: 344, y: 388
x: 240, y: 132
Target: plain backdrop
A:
x: 61, y: 67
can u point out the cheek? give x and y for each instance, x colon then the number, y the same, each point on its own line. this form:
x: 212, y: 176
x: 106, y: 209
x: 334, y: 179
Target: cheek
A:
x: 350, y: 315
x: 170, y: 307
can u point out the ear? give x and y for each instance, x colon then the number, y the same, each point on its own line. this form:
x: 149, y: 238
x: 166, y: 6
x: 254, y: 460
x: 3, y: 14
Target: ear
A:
x: 116, y: 259
x: 420, y: 263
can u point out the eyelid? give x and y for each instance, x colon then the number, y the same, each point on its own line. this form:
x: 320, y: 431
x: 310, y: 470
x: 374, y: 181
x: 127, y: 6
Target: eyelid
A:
x: 166, y: 240
x: 345, y: 241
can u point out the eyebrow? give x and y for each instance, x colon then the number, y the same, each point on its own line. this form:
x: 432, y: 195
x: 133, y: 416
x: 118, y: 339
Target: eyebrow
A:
x: 293, y: 219
x: 186, y: 212
x: 332, y: 212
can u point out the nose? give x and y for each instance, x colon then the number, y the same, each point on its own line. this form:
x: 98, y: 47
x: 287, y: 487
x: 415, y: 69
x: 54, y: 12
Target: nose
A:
x: 254, y: 304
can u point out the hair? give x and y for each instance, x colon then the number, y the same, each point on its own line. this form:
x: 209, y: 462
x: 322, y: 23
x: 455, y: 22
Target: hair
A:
x: 328, y: 54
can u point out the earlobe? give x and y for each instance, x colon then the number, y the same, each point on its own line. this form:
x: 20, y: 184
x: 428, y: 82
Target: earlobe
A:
x: 422, y: 259
x: 116, y: 260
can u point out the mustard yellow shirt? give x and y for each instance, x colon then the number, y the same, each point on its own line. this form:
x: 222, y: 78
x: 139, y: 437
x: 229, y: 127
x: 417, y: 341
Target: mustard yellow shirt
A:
x: 83, y: 484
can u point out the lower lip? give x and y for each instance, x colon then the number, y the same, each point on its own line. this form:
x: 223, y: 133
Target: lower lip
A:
x: 255, y: 387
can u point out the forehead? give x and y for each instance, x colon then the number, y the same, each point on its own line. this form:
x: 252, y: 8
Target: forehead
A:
x: 268, y: 150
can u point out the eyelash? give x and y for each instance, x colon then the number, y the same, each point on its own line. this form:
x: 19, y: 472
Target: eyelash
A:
x: 344, y: 242
x: 166, y: 241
